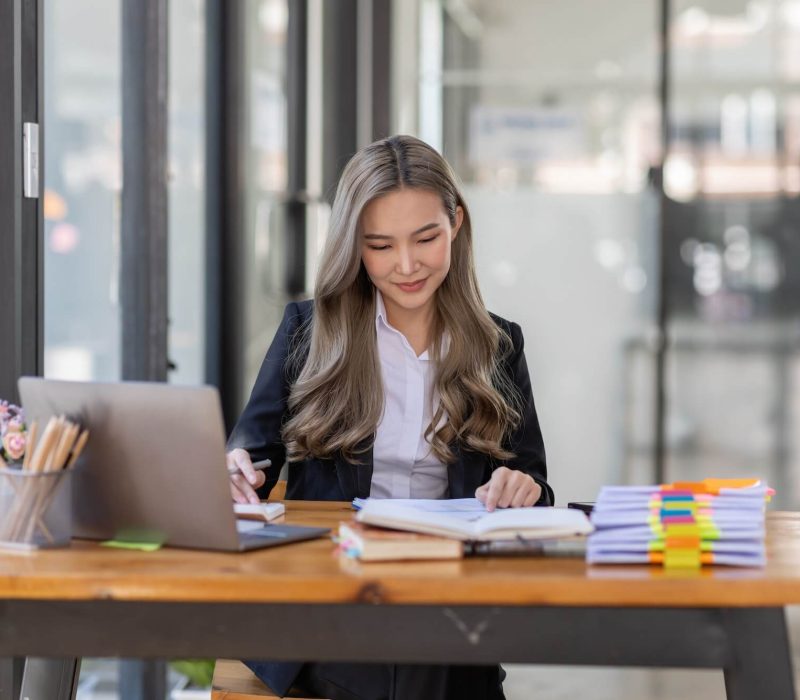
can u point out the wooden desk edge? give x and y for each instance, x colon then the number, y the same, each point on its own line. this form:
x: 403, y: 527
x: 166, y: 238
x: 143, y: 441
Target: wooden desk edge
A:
x: 313, y: 576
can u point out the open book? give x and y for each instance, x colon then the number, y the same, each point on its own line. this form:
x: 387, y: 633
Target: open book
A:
x: 468, y: 520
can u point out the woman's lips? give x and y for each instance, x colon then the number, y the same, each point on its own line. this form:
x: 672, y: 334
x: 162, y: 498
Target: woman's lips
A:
x: 414, y: 286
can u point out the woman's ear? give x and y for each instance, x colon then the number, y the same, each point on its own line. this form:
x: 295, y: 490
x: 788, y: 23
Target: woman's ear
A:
x: 459, y: 221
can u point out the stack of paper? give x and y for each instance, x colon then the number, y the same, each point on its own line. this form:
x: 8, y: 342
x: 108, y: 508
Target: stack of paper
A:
x: 681, y: 525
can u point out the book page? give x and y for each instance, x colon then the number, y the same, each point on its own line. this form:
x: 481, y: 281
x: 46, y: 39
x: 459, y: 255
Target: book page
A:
x: 570, y: 519
x: 467, y: 521
x: 461, y: 509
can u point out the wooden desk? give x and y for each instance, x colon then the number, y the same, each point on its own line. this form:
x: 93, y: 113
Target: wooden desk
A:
x: 92, y: 601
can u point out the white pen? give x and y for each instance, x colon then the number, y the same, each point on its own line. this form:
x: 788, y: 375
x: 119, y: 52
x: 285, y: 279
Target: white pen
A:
x: 263, y: 464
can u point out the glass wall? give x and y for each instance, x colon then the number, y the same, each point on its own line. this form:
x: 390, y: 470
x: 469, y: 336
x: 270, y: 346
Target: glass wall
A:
x: 265, y: 155
x: 734, y: 241
x: 186, y: 189
x: 549, y: 114
x: 83, y: 179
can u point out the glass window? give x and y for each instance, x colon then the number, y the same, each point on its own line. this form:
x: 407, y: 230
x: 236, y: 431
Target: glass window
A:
x: 82, y: 176
x: 549, y: 114
x: 186, y: 183
x: 733, y: 176
x: 265, y: 153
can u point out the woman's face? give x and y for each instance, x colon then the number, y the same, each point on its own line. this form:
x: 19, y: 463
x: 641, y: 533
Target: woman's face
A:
x: 406, y: 238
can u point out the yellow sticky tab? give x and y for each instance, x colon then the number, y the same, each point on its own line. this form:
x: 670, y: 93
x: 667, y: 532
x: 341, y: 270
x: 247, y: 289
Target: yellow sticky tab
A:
x: 681, y: 559
x: 682, y: 530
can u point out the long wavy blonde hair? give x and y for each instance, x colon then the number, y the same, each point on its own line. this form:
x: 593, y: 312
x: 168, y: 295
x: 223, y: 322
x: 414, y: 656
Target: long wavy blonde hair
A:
x: 337, y: 400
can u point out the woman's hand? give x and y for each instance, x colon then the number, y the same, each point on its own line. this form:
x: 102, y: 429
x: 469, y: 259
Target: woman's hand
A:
x: 246, y: 479
x: 508, y: 488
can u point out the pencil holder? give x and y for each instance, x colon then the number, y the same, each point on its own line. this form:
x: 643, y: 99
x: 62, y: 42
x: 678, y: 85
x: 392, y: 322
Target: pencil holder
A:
x: 35, y: 508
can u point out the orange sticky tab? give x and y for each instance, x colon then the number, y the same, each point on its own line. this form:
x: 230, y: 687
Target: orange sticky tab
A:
x: 682, y: 542
x: 691, y: 486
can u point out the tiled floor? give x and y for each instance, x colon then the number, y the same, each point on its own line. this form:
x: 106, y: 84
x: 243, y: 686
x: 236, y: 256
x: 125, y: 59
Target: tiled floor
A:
x: 570, y: 683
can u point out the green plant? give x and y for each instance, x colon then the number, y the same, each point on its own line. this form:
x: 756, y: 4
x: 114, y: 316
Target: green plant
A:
x: 198, y: 671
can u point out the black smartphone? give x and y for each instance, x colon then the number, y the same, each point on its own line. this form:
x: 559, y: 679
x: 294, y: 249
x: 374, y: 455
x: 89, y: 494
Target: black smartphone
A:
x: 586, y: 506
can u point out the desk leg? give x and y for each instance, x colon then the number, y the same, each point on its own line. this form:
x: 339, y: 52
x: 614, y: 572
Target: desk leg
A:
x: 55, y: 679
x: 761, y: 662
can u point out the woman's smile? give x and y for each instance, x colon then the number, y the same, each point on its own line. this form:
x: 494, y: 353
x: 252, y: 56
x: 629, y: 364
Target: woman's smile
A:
x: 412, y: 286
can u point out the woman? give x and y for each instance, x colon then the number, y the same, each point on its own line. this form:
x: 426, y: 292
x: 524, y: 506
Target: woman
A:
x: 395, y: 382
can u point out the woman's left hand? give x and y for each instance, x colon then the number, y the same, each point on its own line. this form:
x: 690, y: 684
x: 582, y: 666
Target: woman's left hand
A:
x: 508, y: 488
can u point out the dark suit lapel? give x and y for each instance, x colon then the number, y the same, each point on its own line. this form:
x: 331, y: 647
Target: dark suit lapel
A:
x: 364, y: 473
x: 355, y: 480
x: 346, y: 473
x: 455, y: 474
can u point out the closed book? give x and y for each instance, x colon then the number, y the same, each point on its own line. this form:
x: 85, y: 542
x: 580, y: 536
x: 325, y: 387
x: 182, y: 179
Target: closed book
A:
x: 378, y: 544
x: 259, y: 511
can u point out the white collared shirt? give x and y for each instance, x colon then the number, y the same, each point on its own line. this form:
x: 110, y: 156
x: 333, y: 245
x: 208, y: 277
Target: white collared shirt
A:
x: 403, y: 464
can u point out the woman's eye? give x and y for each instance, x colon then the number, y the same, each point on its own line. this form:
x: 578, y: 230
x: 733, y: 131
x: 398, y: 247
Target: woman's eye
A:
x: 428, y: 240
x: 379, y: 247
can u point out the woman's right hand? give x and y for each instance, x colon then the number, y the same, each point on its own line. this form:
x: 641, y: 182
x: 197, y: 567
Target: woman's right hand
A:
x: 246, y: 479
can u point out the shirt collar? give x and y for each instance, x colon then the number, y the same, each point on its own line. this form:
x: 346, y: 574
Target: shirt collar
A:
x: 382, y: 326
x: 380, y: 309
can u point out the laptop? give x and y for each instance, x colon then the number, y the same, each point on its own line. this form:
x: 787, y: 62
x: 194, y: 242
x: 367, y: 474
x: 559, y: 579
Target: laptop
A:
x: 154, y: 465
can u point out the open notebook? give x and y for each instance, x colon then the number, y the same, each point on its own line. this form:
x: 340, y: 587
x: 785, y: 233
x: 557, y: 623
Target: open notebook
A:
x: 466, y: 519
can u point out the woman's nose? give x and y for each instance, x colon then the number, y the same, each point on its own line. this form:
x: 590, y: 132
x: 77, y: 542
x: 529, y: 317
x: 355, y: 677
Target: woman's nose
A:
x: 407, y: 261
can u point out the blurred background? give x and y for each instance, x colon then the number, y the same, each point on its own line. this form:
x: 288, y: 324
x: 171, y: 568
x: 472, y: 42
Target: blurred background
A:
x: 632, y: 169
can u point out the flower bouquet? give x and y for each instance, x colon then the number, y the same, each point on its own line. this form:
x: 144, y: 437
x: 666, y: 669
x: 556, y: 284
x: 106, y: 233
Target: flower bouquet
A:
x: 13, y: 434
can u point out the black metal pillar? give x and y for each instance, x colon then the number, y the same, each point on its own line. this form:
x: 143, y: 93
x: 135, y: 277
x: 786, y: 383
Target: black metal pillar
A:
x: 143, y: 283
x: 21, y: 102
x: 214, y: 173
x: 11, y: 670
x: 142, y: 679
x: 662, y: 312
x: 296, y: 204
x: 144, y: 243
x: 226, y: 229
x: 339, y: 107
x: 381, y: 68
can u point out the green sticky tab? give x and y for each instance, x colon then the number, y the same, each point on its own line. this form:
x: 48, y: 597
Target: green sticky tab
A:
x: 140, y: 546
x: 134, y: 538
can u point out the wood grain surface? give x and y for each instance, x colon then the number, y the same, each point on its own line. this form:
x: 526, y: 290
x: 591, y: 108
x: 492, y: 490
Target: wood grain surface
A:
x: 310, y: 572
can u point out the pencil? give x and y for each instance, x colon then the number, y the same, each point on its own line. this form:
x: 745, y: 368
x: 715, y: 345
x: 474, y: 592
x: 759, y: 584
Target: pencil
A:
x: 26, y: 460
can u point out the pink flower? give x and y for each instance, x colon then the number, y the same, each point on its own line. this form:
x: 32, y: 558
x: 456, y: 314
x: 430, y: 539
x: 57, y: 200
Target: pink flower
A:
x: 14, y: 425
x: 14, y: 445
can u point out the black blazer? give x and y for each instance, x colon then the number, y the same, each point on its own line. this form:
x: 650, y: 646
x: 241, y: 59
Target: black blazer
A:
x: 258, y: 429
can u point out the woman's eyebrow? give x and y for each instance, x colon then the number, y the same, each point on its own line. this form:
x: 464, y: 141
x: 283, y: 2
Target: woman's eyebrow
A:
x: 382, y: 237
